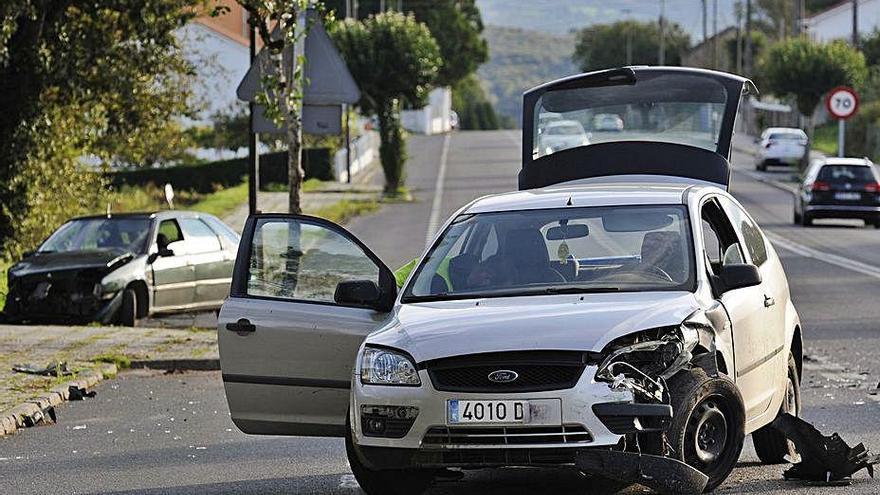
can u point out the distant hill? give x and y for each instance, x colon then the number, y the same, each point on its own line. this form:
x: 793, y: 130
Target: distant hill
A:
x: 520, y: 59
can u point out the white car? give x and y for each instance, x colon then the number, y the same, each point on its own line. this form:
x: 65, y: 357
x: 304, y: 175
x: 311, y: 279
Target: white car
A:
x: 781, y: 146
x: 607, y: 122
x: 625, y: 318
x: 558, y: 135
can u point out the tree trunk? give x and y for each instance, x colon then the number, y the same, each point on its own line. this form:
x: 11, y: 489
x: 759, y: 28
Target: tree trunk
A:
x: 392, y: 152
x: 295, y: 172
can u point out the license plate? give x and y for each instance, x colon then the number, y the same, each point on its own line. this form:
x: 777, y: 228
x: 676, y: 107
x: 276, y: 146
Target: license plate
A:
x: 848, y: 196
x: 488, y: 411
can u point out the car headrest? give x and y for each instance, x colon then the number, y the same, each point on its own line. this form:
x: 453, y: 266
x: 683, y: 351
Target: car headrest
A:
x: 526, y: 246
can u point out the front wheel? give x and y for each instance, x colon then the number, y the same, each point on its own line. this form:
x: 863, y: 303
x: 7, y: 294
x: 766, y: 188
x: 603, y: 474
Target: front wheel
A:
x: 806, y: 219
x: 770, y: 444
x: 708, y: 424
x: 128, y: 310
x: 391, y: 482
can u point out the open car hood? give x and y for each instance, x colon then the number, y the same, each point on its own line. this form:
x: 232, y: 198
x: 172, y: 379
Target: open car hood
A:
x: 677, y: 122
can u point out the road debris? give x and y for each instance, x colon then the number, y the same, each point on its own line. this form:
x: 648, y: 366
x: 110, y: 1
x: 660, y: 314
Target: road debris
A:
x: 661, y: 474
x: 58, y: 368
x: 825, y: 459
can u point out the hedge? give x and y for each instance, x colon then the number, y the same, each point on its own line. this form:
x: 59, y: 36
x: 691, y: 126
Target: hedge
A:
x: 207, y: 177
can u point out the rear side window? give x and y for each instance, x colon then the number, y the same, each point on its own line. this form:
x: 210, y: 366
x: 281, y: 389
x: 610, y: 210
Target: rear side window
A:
x: 171, y: 231
x: 747, y: 230
x: 858, y: 174
x: 200, y: 238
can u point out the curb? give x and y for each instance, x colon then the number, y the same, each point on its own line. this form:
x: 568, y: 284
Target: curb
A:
x: 40, y: 409
x: 178, y: 364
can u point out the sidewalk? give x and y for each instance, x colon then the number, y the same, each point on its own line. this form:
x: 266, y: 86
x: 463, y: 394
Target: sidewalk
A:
x: 366, y: 186
x: 92, y: 353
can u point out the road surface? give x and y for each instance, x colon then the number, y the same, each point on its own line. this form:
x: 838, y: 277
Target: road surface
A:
x: 150, y: 433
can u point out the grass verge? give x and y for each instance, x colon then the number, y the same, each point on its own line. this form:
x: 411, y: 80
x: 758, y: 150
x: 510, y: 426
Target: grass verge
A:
x: 346, y: 209
x: 4, y: 266
x: 222, y: 202
x: 120, y: 360
x: 825, y: 139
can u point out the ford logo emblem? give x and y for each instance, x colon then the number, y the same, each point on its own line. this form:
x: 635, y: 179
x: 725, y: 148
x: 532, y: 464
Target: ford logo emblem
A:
x: 503, y: 376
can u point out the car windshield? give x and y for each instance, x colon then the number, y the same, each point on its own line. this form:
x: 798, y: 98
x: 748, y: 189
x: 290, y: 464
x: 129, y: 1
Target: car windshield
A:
x: 129, y: 234
x: 670, y: 108
x: 786, y: 136
x: 562, y: 130
x: 570, y: 250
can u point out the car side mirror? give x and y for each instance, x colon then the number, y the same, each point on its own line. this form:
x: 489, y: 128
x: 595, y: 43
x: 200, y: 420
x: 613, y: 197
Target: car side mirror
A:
x: 359, y: 293
x: 165, y: 252
x: 739, y: 275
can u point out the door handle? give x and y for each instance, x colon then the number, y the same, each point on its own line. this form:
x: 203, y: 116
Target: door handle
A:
x: 242, y: 326
x: 768, y: 301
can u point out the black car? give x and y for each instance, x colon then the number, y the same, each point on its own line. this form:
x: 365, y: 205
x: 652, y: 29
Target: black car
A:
x: 839, y: 188
x: 118, y: 268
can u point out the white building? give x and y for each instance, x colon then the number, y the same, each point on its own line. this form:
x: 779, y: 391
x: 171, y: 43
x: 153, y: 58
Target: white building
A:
x: 837, y: 22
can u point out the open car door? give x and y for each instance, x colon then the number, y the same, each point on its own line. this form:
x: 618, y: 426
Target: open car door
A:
x: 305, y: 293
x: 666, y: 121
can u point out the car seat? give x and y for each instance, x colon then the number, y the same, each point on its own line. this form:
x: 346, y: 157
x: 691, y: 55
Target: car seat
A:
x: 664, y: 250
x: 526, y: 251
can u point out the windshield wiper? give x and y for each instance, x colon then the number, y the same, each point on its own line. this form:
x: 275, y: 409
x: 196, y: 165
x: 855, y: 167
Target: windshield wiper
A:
x: 569, y: 289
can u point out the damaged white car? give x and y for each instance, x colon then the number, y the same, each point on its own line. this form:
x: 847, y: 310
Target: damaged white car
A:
x: 621, y: 314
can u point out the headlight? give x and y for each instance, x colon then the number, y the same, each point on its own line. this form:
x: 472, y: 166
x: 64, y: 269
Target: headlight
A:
x: 387, y: 367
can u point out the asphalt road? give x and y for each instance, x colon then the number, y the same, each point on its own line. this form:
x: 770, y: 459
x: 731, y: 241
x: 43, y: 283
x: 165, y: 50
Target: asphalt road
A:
x: 170, y: 434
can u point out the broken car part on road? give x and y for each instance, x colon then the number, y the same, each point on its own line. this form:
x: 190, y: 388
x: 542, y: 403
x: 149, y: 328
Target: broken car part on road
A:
x: 823, y: 458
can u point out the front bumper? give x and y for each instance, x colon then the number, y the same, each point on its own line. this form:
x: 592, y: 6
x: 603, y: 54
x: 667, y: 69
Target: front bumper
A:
x: 20, y: 310
x: 563, y: 422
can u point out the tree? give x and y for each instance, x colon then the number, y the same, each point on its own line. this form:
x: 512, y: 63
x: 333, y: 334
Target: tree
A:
x: 395, y: 61
x: 282, y: 82
x: 457, y: 27
x: 103, y: 70
x: 603, y: 46
x: 470, y: 102
x: 805, y: 70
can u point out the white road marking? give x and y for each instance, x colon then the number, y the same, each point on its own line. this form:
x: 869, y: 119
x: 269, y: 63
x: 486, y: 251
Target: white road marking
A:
x: 833, y: 259
x: 434, y: 219
x: 348, y: 481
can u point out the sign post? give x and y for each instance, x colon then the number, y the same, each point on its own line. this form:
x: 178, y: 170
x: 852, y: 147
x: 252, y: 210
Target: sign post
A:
x: 842, y: 103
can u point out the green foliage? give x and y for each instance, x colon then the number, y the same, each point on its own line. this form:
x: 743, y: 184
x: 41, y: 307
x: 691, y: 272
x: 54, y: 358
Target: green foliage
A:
x: 825, y: 138
x: 456, y: 26
x: 806, y: 70
x: 870, y: 45
x: 863, y: 132
x: 100, y: 78
x: 475, y: 112
x: 229, y: 131
x: 395, y: 61
x: 222, y: 202
x: 603, y: 46
x: 521, y: 59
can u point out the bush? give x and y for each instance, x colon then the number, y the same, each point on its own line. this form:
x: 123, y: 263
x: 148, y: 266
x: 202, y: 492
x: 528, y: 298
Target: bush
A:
x: 863, y: 132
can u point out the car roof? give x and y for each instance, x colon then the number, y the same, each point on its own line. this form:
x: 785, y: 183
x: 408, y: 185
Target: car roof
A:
x: 562, y: 122
x: 629, y: 190
x: 160, y: 215
x: 859, y: 162
x: 784, y: 130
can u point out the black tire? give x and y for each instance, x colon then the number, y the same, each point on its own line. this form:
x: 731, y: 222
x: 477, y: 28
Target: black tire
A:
x: 392, y: 482
x: 761, y: 167
x: 806, y: 220
x: 128, y: 311
x: 797, y: 217
x: 770, y: 444
x: 706, y: 411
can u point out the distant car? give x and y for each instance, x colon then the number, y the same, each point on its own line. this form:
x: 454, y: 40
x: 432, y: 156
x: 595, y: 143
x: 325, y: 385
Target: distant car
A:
x: 839, y: 188
x: 558, y: 135
x: 118, y: 268
x: 453, y: 120
x: 781, y: 146
x: 607, y: 122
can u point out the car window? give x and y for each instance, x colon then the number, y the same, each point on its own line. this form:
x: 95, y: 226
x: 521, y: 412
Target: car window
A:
x: 301, y: 261
x: 126, y: 233
x: 839, y: 174
x: 630, y: 248
x: 719, y: 226
x: 199, y: 237
x: 170, y: 232
x: 223, y: 230
x: 747, y: 230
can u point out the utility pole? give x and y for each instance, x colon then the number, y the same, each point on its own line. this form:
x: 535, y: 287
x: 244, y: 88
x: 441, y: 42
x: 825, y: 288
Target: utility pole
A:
x: 798, y: 15
x: 739, y: 44
x: 629, y: 51
x: 855, y: 26
x: 705, y: 31
x: 253, y: 139
x: 715, y: 35
x: 661, y: 57
x: 747, y: 56
x: 345, y: 108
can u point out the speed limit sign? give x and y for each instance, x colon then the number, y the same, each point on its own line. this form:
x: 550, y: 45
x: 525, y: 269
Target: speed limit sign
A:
x: 842, y: 102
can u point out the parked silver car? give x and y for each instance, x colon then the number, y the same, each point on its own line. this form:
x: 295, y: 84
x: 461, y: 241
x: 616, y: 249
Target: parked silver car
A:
x: 627, y: 319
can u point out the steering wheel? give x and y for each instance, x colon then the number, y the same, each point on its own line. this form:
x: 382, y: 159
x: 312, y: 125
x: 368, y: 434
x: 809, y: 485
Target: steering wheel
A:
x: 659, y: 272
